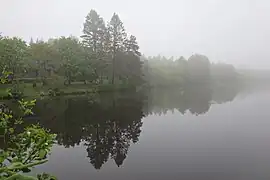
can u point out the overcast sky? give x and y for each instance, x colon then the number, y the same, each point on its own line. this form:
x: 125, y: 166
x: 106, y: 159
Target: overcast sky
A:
x: 232, y: 31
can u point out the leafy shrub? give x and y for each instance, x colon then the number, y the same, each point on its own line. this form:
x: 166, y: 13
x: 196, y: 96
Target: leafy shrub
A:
x: 25, y: 150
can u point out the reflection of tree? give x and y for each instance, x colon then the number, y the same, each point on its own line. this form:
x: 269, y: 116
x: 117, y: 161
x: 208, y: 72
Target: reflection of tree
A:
x: 199, y: 99
x: 224, y: 94
x: 122, y: 123
x: 63, y: 117
x: 121, y: 143
x: 196, y: 98
x: 107, y: 124
x: 98, y: 148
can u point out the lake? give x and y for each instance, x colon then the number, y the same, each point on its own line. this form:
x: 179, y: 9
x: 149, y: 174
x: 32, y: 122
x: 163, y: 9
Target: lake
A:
x: 190, y: 134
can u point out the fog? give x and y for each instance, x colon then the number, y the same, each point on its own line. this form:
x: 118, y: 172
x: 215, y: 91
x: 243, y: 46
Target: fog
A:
x: 231, y: 31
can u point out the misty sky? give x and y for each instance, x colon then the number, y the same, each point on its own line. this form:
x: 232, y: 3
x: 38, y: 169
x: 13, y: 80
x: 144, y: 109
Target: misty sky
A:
x: 232, y: 31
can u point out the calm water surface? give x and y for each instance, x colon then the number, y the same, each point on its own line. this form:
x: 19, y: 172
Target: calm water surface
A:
x: 162, y: 134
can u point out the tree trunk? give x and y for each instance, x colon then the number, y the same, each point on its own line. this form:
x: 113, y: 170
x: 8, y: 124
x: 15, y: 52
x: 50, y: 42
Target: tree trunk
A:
x: 101, y: 78
x: 113, y: 68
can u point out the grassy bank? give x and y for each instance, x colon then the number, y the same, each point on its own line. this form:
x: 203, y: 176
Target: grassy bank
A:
x: 74, y: 89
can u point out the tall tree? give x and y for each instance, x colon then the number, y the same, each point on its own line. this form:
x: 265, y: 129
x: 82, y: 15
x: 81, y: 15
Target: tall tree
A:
x: 134, y: 63
x: 117, y: 39
x: 132, y: 45
x: 31, y: 41
x: 93, y: 31
x: 94, y: 41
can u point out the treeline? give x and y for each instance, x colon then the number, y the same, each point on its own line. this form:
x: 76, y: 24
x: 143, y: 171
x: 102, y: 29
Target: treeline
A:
x: 104, y: 54
x: 162, y: 71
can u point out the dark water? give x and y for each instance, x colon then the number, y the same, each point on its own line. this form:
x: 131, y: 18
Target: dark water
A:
x: 198, y: 133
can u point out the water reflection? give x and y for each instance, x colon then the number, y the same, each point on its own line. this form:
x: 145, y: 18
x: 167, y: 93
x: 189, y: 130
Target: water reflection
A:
x: 193, y: 98
x: 107, y: 124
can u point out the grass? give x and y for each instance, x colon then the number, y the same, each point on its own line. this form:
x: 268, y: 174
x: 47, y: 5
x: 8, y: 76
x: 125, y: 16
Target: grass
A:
x: 3, y: 93
x: 76, y: 88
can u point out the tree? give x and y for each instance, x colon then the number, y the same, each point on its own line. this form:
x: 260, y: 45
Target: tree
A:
x: 132, y: 45
x: 41, y: 59
x: 94, y: 38
x: 134, y: 63
x: 12, y: 54
x: 97, y: 148
x: 31, y: 41
x: 182, y: 68
x: 199, y: 68
x: 70, y: 53
x: 117, y: 39
x: 93, y: 31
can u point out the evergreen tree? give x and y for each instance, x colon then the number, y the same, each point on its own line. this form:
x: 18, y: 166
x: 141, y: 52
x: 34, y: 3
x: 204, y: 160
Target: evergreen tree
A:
x: 94, y: 41
x: 117, y: 39
x: 93, y: 31
x: 31, y: 41
x: 132, y: 45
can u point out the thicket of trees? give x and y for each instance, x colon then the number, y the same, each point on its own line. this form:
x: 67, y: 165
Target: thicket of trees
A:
x: 104, y: 53
x: 162, y: 71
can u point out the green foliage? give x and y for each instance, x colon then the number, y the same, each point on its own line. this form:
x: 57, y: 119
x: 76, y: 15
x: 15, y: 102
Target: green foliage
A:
x: 23, y: 150
x: 13, y: 52
x: 106, y: 53
x: 162, y: 71
x: 117, y: 33
x: 94, y: 32
x: 26, y: 106
x: 41, y: 59
x: 5, y: 76
x: 132, y: 45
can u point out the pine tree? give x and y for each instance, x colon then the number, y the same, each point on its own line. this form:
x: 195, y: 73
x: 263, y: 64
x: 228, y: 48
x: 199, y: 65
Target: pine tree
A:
x: 132, y: 45
x: 117, y: 39
x: 93, y: 31
x: 31, y: 41
x: 94, y: 41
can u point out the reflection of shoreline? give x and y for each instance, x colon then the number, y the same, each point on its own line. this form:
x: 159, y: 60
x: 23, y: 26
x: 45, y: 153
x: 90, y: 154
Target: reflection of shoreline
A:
x: 195, y: 99
x: 108, y: 123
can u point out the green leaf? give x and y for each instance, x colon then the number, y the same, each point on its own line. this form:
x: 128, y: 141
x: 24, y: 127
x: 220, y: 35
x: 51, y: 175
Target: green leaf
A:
x: 3, y: 156
x: 11, y: 130
x: 20, y: 177
x: 15, y: 165
x: 45, y: 176
x: 42, y: 154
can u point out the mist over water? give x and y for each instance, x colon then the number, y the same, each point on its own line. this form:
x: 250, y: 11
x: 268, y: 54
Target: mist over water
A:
x: 135, y: 90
